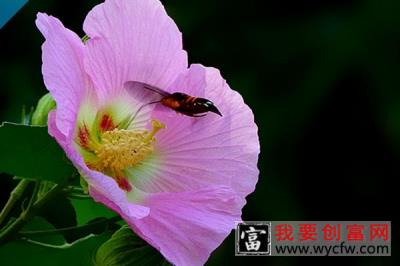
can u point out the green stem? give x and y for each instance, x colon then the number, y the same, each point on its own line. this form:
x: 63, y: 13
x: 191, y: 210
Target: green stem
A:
x: 34, y: 193
x: 72, y: 228
x: 73, y: 189
x: 15, y: 195
x: 78, y: 196
x: 12, y: 229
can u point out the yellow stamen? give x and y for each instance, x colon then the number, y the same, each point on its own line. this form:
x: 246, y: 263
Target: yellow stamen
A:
x: 120, y: 148
x: 157, y: 125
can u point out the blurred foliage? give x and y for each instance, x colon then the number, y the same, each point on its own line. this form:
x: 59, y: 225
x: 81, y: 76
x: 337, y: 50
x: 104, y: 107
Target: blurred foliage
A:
x: 125, y: 249
x: 323, y: 80
x: 33, y: 253
x: 87, y: 210
x: 21, y: 143
x: 61, y: 214
x: 44, y: 106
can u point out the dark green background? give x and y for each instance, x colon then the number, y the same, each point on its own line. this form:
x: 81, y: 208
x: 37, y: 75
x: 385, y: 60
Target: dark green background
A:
x: 322, y: 77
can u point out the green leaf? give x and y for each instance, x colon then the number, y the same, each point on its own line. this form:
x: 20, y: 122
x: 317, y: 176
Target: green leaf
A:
x: 28, y: 252
x: 61, y: 214
x: 124, y: 248
x: 29, y: 151
x: 87, y: 210
x: 38, y: 223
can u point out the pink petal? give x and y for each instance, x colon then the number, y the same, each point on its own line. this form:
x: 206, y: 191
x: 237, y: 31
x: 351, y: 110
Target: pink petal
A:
x: 53, y: 129
x: 105, y: 190
x: 132, y: 40
x: 186, y: 227
x: 193, y: 153
x: 63, y: 73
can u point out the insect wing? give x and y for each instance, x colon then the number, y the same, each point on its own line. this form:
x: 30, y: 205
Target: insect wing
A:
x: 143, y: 92
x: 156, y: 90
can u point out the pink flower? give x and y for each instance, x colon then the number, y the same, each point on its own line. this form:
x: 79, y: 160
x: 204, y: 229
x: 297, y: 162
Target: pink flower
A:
x: 179, y: 182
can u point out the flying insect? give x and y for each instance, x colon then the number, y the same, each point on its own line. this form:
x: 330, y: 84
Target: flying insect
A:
x: 177, y: 101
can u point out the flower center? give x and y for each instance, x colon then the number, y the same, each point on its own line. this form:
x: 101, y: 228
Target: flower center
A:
x: 118, y: 149
x: 121, y: 148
